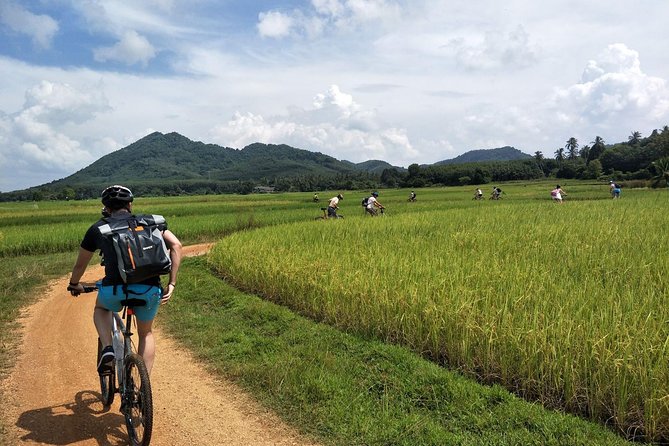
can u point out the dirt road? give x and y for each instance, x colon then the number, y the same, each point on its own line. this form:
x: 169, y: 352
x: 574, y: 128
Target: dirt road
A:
x: 51, y: 395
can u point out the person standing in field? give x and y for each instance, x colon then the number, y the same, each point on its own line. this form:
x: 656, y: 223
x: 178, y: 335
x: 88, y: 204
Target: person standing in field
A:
x: 333, y: 206
x: 372, y: 204
x: 557, y: 194
x: 117, y: 201
x: 612, y: 186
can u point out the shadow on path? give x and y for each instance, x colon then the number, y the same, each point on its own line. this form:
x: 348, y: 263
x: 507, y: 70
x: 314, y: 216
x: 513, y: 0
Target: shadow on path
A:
x: 83, y: 419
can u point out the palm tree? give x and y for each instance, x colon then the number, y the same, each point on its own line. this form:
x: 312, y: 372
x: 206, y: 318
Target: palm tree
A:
x: 634, y: 138
x: 598, y: 147
x: 584, y: 153
x: 661, y: 167
x: 538, y: 156
x: 572, y: 146
x: 559, y: 154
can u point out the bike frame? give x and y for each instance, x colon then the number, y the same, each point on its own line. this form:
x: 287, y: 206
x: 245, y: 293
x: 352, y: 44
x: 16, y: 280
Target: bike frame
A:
x: 121, y: 330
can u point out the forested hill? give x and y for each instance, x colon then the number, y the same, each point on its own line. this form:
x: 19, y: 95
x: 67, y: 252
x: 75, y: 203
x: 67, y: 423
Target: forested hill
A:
x: 173, y: 164
x: 174, y: 157
x: 505, y: 153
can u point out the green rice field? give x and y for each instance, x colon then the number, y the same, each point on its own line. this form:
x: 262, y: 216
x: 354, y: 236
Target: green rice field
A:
x: 563, y: 304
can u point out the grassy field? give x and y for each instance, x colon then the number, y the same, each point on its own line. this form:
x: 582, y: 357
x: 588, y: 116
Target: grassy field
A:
x: 563, y: 304
x: 521, y: 292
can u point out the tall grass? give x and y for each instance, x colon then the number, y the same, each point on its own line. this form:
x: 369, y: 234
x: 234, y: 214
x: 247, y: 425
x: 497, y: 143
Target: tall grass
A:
x: 47, y: 227
x: 564, y: 304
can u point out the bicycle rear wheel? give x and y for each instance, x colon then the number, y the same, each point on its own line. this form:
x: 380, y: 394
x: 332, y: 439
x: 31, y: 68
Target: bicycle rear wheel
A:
x: 137, y: 401
x: 107, y: 384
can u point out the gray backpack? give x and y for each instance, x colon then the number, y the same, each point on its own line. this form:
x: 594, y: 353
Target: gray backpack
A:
x: 139, y: 245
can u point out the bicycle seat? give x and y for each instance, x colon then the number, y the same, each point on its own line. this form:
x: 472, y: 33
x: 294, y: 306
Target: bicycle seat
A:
x: 133, y: 302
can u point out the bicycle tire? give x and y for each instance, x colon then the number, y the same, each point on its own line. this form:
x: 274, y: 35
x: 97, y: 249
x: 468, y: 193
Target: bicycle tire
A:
x: 107, y: 384
x: 137, y: 401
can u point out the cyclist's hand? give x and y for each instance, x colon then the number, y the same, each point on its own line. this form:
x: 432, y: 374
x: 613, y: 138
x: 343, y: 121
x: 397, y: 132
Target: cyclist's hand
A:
x: 167, y: 293
x: 75, y: 290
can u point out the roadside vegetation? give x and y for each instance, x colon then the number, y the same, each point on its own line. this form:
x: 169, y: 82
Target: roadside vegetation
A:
x: 521, y: 292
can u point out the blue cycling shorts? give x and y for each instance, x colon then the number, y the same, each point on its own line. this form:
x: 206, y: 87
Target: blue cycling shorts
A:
x: 148, y: 293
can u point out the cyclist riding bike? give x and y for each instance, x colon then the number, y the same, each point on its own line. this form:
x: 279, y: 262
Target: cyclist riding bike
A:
x: 373, y: 203
x: 117, y: 202
x: 333, y: 206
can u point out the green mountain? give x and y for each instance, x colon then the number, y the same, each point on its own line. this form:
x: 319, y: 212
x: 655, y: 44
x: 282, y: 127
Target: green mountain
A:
x: 171, y: 164
x: 374, y: 166
x: 505, y: 153
x: 165, y: 157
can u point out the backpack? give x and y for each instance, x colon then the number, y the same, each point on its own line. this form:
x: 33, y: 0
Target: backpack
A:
x: 365, y: 201
x: 554, y: 193
x: 139, y: 245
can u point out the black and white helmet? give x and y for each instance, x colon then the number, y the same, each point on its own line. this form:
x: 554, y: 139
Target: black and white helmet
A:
x: 116, y: 195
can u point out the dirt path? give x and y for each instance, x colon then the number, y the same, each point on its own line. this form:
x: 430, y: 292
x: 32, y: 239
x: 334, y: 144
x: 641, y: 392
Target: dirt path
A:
x: 51, y: 395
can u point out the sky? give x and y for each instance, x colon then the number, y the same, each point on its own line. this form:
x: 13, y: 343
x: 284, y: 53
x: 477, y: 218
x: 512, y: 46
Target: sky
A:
x: 404, y: 81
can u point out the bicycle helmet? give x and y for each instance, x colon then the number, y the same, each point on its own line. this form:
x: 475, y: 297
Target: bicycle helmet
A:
x: 340, y: 196
x: 115, y: 196
x: 376, y: 194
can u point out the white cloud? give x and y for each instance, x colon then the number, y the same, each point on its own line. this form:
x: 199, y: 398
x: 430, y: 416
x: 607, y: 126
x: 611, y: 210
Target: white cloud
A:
x: 37, y: 138
x: 342, y: 15
x: 496, y: 49
x: 335, y: 125
x: 614, y: 89
x: 274, y: 24
x: 41, y: 28
x: 131, y: 49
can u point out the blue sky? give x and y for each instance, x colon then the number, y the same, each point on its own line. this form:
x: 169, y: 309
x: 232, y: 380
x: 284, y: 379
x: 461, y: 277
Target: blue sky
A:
x: 403, y: 81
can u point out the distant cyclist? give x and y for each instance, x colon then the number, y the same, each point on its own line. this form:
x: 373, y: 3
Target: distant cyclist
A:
x: 412, y: 196
x: 558, y: 194
x: 373, y: 203
x: 478, y: 194
x: 117, y: 202
x: 333, y: 206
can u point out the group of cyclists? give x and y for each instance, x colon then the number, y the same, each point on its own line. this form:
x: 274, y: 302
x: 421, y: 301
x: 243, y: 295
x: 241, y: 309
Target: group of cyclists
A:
x: 371, y: 204
x: 496, y: 193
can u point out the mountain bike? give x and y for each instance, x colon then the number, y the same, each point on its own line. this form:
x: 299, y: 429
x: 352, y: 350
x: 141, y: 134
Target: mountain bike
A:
x: 129, y: 370
x: 325, y: 215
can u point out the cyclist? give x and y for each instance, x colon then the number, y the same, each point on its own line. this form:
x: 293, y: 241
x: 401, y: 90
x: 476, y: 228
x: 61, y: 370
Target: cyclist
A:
x: 373, y: 203
x: 117, y: 202
x: 478, y: 194
x: 412, y: 196
x: 333, y: 205
x: 557, y: 194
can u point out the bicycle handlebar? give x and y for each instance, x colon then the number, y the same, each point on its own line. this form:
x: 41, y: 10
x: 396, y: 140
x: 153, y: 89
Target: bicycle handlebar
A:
x: 87, y: 289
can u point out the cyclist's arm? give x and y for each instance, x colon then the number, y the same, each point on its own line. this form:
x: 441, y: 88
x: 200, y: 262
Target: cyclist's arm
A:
x: 79, y: 268
x: 174, y: 246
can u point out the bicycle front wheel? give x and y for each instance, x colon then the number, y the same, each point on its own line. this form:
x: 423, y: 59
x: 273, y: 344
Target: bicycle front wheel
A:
x: 137, y: 401
x: 107, y: 383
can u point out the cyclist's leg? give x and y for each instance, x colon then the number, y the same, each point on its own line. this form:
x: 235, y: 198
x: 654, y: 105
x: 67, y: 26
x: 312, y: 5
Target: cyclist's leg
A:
x: 147, y: 343
x: 102, y: 318
x: 108, y: 300
x: 146, y: 347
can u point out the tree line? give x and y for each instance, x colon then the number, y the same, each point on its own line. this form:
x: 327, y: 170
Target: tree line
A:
x: 638, y: 161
